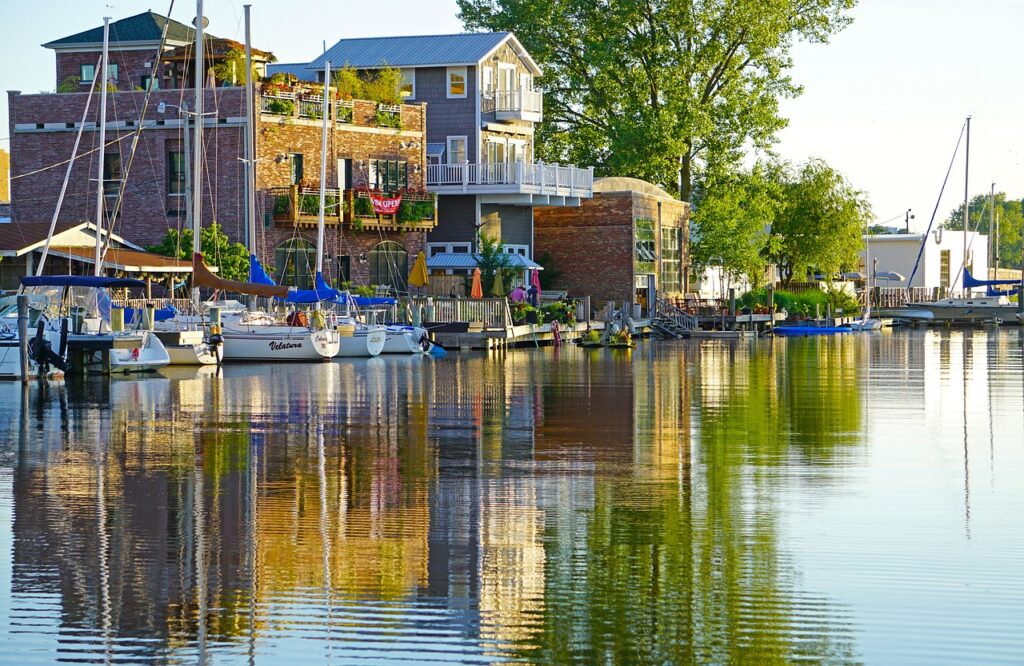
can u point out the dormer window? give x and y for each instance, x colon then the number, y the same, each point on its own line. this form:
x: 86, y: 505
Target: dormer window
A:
x: 456, y: 82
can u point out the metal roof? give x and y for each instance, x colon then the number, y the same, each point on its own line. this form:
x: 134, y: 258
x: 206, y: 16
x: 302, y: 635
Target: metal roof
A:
x: 144, y: 27
x: 299, y: 70
x: 464, y: 260
x: 435, y: 149
x: 416, y: 51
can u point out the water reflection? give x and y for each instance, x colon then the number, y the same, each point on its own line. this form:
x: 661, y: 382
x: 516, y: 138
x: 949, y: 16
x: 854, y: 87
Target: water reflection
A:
x: 545, y: 505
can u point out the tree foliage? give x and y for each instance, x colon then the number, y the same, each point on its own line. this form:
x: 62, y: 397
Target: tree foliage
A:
x: 819, y: 222
x: 493, y: 258
x: 731, y: 222
x: 232, y: 68
x: 1010, y: 213
x: 640, y: 87
x: 232, y: 259
x: 382, y: 85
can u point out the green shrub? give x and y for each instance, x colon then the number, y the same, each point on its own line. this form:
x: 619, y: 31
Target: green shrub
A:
x: 561, y: 311
x: 282, y: 107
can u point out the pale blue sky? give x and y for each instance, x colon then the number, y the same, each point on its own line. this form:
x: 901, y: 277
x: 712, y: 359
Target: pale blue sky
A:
x: 883, y: 103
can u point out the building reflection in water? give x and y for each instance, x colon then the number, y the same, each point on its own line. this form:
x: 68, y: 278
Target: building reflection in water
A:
x: 552, y: 505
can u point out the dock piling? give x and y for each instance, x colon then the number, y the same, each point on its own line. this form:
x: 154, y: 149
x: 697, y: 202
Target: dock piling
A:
x: 23, y: 335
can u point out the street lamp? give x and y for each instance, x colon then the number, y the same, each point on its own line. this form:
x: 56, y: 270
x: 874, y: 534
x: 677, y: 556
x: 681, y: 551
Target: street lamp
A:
x: 907, y: 217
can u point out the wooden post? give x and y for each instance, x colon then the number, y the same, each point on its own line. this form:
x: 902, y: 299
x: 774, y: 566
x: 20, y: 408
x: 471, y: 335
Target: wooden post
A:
x: 23, y: 335
x: 771, y: 306
x: 732, y: 305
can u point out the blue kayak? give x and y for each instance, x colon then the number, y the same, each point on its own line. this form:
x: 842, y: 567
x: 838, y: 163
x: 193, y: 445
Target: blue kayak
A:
x: 810, y: 330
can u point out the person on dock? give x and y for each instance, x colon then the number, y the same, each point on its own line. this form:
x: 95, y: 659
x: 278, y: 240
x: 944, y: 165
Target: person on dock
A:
x: 518, y: 294
x: 532, y: 295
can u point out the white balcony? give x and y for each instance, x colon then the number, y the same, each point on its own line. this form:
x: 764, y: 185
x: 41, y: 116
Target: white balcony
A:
x: 523, y: 183
x: 519, y: 104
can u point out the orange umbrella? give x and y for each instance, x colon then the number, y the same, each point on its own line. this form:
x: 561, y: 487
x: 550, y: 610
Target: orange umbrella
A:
x: 477, y: 290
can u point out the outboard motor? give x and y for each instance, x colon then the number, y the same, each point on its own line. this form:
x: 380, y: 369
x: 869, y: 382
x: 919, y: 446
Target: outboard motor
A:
x: 40, y: 351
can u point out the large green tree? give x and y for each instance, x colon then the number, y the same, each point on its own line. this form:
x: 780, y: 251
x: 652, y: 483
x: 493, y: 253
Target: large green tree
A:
x: 819, y: 222
x: 656, y: 88
x: 732, y: 219
x: 1010, y: 213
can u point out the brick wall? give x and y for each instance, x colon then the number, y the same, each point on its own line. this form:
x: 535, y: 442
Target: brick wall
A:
x: 149, y: 211
x: 593, y: 245
x: 131, y: 66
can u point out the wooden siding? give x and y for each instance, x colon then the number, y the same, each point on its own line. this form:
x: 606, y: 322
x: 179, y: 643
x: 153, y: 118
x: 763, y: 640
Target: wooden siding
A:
x: 448, y: 117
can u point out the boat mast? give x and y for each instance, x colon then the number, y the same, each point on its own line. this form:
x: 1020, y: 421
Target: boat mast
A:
x: 97, y: 270
x: 197, y: 148
x: 967, y: 215
x: 991, y: 229
x: 250, y: 143
x: 323, y: 171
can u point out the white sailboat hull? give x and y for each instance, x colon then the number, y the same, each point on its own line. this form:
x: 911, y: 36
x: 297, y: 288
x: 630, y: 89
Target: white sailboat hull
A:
x: 365, y: 342
x: 963, y: 309
x: 278, y: 343
x: 10, y: 356
x: 138, y: 352
x: 404, y: 340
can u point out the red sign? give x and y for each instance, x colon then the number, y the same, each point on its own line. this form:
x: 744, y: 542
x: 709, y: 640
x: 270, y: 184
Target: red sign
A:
x: 385, y: 205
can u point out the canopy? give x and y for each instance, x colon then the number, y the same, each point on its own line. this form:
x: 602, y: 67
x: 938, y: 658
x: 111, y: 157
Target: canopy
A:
x: 466, y: 261
x: 418, y: 277
x: 201, y: 276
x: 80, y: 281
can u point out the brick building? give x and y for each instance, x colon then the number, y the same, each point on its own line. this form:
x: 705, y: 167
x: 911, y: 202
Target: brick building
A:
x: 626, y: 244
x: 367, y: 147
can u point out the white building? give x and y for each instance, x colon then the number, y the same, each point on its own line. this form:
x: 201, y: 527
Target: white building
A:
x: 941, y: 261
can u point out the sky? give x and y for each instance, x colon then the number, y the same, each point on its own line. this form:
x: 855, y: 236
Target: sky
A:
x: 883, y: 102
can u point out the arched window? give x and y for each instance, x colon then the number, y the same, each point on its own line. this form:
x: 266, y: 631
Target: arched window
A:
x: 389, y: 264
x: 296, y: 261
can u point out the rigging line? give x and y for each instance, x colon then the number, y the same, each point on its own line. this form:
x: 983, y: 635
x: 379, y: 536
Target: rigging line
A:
x: 935, y: 211
x: 63, y: 162
x: 67, y: 175
x: 137, y: 134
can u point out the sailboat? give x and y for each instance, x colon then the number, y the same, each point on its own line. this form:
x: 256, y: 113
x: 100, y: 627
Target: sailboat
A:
x: 993, y: 306
x: 247, y: 336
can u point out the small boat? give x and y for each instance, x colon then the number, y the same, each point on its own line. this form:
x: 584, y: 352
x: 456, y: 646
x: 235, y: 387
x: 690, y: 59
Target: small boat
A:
x: 358, y: 340
x: 796, y: 330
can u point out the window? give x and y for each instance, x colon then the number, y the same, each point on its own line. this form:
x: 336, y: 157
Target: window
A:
x: 488, y: 74
x: 456, y: 149
x: 86, y: 73
x: 344, y: 173
x: 408, y: 86
x: 644, y: 255
x: 295, y: 260
x: 526, y: 81
x: 145, y: 82
x: 295, y: 160
x: 506, y: 77
x: 389, y: 264
x: 111, y: 174
x: 516, y: 151
x: 112, y: 72
x: 671, y: 256
x: 944, y: 269
x: 388, y: 175
x: 175, y: 172
x: 456, y: 82
x: 495, y: 151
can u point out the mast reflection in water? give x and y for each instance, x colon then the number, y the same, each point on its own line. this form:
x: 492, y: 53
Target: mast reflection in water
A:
x: 845, y: 500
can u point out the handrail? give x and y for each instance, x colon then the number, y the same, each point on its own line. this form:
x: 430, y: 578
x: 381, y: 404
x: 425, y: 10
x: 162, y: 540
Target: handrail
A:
x: 545, y: 178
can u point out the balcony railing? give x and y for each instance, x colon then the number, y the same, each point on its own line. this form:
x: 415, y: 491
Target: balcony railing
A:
x: 524, y: 177
x: 521, y: 104
x: 300, y: 207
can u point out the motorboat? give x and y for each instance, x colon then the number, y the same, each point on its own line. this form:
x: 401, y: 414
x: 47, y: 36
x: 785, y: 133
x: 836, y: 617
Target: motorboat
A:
x: 963, y: 309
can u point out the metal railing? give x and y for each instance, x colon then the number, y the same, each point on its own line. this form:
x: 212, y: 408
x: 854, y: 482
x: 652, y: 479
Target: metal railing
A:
x: 530, y: 176
x: 311, y: 107
x: 513, y: 102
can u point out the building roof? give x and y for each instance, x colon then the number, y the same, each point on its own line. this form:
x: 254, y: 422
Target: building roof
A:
x: 418, y: 51
x: 19, y: 238
x: 464, y: 261
x: 300, y: 70
x: 128, y: 261
x: 144, y: 27
x: 623, y: 184
x: 214, y: 47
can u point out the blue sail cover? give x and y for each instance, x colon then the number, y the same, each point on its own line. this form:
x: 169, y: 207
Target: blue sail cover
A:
x: 321, y: 291
x: 256, y: 272
x: 79, y: 281
x: 971, y: 282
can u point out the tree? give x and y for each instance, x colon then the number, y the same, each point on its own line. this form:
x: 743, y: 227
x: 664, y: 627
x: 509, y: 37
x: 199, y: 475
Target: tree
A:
x: 232, y: 68
x: 732, y: 219
x: 652, y: 88
x: 820, y: 222
x: 493, y: 258
x: 232, y: 259
x: 1011, y: 224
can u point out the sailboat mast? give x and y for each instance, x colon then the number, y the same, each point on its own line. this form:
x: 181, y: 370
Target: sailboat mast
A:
x: 97, y: 269
x: 967, y: 212
x: 991, y: 228
x: 197, y: 147
x: 250, y: 143
x: 323, y: 170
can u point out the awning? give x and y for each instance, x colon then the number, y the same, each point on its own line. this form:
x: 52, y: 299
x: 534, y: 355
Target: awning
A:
x: 125, y: 260
x: 435, y: 150
x: 467, y: 261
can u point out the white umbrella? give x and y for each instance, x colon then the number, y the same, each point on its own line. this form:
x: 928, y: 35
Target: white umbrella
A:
x: 891, y: 276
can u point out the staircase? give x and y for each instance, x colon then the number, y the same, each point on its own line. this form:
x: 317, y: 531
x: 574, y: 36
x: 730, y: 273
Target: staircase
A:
x: 671, y: 322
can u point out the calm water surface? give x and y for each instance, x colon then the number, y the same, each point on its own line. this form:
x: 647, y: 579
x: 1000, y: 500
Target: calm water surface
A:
x: 858, y: 499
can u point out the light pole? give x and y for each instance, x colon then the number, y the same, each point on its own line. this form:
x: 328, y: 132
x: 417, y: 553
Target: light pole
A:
x: 907, y: 217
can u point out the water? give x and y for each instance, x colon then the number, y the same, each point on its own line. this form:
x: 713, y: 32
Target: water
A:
x: 846, y: 500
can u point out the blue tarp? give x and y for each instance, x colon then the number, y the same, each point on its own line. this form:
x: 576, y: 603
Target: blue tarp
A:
x: 256, y: 272
x: 79, y: 281
x: 371, y: 301
x: 970, y: 282
x: 160, y: 314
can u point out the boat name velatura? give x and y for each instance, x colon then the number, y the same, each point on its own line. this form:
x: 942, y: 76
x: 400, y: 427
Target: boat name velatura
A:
x: 279, y: 346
